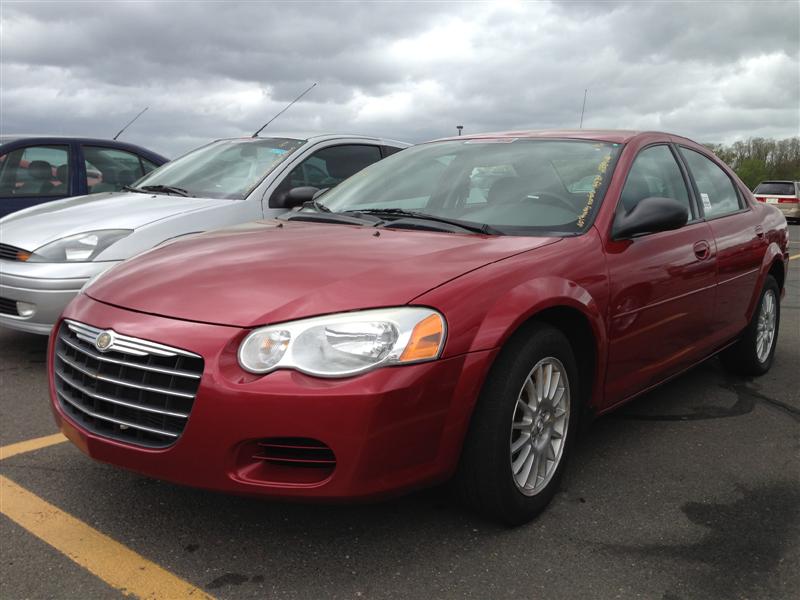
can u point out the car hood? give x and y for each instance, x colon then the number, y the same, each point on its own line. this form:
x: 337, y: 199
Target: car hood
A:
x: 268, y: 272
x: 34, y: 227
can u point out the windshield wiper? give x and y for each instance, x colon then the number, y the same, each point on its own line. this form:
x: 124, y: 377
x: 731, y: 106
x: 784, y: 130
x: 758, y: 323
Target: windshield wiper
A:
x: 329, y: 217
x: 316, y: 205
x: 167, y: 189
x: 130, y: 188
x: 402, y: 213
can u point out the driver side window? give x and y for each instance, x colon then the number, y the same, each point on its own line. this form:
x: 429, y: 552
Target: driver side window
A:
x: 330, y: 166
x: 654, y: 173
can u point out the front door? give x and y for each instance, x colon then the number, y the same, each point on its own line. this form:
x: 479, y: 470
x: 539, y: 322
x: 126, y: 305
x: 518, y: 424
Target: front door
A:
x: 661, y: 284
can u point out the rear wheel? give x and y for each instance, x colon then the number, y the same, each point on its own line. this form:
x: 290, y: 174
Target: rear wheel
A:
x: 755, y: 350
x: 522, y: 427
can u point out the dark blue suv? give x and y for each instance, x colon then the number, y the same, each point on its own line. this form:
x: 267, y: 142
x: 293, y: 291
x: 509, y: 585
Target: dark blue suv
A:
x: 39, y: 169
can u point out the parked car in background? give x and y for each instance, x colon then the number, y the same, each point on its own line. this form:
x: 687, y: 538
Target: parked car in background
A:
x: 48, y: 252
x: 784, y: 195
x: 417, y: 322
x: 37, y: 169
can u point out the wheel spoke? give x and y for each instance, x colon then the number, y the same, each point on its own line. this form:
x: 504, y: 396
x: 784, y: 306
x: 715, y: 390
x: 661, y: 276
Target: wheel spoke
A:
x: 530, y: 390
x: 539, y: 392
x: 524, y: 476
x: 517, y: 464
x: 554, y: 386
x: 523, y: 439
x: 533, y: 470
x: 526, y: 408
x: 548, y: 377
x: 559, y: 395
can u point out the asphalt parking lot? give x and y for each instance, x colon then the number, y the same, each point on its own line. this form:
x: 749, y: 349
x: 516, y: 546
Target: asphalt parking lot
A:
x: 692, y: 491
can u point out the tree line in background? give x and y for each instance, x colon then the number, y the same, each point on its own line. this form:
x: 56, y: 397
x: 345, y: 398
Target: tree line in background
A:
x: 761, y: 159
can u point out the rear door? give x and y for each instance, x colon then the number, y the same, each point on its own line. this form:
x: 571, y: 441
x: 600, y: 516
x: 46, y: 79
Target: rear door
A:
x: 739, y: 238
x: 661, y: 284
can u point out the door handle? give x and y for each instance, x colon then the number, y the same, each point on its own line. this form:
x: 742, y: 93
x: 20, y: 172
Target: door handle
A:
x: 702, y: 250
x: 759, y: 231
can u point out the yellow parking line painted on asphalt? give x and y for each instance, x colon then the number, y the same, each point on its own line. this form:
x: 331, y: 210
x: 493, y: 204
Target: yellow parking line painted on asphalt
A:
x: 118, y: 566
x: 795, y: 256
x: 31, y: 445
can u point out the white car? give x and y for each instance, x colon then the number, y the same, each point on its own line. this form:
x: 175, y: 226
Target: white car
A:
x: 48, y: 252
x: 784, y: 195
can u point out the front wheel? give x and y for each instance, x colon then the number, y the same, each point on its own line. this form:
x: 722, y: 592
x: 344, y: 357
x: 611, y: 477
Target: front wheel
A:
x: 522, y: 427
x: 753, y: 353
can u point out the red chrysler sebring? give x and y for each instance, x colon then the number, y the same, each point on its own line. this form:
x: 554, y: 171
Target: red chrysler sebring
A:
x: 452, y: 311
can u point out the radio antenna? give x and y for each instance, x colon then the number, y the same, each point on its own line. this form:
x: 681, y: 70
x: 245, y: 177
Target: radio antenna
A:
x: 583, y: 108
x: 285, y: 109
x: 131, y: 122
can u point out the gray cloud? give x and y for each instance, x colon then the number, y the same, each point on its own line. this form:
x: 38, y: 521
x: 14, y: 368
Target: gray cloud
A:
x: 715, y: 71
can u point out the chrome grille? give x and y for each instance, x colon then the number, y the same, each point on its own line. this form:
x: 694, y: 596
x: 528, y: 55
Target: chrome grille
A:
x: 133, y: 391
x: 10, y: 252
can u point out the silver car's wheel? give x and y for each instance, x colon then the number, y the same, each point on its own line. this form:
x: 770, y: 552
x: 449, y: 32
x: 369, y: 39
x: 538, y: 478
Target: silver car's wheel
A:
x: 765, y: 328
x: 539, y: 426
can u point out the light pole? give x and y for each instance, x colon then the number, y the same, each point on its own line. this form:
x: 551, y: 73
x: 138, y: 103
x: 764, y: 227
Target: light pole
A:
x: 459, y: 127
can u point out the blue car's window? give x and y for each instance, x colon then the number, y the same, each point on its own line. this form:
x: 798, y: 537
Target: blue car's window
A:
x: 110, y: 169
x: 35, y: 171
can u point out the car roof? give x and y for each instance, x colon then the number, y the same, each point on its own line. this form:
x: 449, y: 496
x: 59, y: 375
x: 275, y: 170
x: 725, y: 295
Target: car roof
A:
x: 618, y: 136
x: 324, y: 137
x: 38, y: 137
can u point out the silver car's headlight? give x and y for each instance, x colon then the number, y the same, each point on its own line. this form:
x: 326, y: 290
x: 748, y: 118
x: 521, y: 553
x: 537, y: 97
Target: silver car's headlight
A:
x: 347, y: 343
x: 82, y: 247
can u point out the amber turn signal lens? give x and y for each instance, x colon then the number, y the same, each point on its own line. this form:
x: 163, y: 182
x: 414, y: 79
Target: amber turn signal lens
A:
x: 23, y: 256
x: 425, y: 341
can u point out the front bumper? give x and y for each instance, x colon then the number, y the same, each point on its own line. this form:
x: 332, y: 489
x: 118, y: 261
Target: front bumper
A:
x: 390, y: 430
x: 48, y: 287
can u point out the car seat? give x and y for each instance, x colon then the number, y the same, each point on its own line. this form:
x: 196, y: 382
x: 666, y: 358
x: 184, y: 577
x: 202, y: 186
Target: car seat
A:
x: 41, y: 173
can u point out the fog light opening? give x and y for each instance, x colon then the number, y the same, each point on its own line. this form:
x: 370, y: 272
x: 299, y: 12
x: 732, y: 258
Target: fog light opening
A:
x: 25, y: 309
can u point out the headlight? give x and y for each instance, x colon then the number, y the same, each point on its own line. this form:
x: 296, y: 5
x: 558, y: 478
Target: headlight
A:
x: 346, y: 344
x: 82, y: 247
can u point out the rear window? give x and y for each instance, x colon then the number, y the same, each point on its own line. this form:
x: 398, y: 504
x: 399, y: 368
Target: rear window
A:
x: 776, y: 188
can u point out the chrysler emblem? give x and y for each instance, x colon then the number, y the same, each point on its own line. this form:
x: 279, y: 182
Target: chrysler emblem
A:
x: 104, y: 340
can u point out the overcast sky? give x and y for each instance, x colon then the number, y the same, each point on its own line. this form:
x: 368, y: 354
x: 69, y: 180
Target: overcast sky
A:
x: 713, y: 71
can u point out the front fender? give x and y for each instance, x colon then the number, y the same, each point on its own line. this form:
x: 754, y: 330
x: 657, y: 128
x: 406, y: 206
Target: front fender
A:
x: 484, y: 308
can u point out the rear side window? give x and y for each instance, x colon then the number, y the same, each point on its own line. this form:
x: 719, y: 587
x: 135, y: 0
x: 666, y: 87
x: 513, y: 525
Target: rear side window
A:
x: 718, y: 196
x: 775, y: 188
x: 35, y: 171
x: 110, y: 169
x: 655, y: 173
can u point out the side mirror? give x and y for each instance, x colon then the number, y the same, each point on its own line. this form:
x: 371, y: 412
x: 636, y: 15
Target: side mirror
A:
x: 651, y: 215
x: 294, y: 197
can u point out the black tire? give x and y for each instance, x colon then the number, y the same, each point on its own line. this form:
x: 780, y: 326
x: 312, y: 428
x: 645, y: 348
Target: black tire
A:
x: 484, y: 479
x: 742, y: 358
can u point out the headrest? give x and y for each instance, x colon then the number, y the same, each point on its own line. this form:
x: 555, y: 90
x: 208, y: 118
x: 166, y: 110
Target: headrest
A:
x: 40, y: 169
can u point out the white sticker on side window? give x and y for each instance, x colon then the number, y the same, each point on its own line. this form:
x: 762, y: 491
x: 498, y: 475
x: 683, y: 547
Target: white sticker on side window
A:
x: 706, y: 201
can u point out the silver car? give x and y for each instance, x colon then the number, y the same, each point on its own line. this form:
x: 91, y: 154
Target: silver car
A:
x: 48, y: 252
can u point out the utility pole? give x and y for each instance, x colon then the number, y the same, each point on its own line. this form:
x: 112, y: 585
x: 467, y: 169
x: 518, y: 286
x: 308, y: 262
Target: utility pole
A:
x: 583, y: 108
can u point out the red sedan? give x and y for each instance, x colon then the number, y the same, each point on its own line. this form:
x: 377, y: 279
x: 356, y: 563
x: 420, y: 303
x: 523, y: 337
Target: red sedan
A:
x: 452, y: 311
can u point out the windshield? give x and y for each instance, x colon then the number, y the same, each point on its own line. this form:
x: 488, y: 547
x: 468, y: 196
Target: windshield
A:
x: 513, y: 186
x: 776, y: 188
x: 227, y: 169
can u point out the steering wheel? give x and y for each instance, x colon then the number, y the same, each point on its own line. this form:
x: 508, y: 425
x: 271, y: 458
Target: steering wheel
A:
x: 315, y: 175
